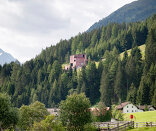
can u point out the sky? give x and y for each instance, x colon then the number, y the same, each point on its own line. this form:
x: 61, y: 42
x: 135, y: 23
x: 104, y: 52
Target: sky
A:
x: 29, y: 26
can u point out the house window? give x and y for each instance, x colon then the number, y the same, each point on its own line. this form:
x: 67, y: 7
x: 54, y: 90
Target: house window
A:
x: 127, y: 106
x: 127, y: 110
x: 132, y: 106
x: 135, y: 110
x: 71, y: 64
x: 83, y: 56
x: 74, y: 60
x: 132, y: 110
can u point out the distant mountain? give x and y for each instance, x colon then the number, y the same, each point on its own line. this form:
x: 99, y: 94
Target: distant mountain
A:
x: 135, y: 11
x: 5, y: 57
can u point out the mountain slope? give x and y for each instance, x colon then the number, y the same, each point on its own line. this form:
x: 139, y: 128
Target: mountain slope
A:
x: 135, y: 11
x: 113, y: 81
x: 5, y: 57
x: 142, y: 50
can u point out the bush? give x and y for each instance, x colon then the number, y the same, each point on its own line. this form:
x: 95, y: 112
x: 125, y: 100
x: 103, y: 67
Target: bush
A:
x: 101, y: 114
x: 90, y: 127
x: 117, y: 114
x: 49, y: 124
x: 30, y: 114
x: 105, y: 117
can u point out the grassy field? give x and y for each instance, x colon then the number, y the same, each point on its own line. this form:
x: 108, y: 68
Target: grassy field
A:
x: 142, y: 49
x: 143, y: 129
x: 148, y: 116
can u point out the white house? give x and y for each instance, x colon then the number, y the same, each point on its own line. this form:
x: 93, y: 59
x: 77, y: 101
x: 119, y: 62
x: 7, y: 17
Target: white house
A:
x: 128, y: 107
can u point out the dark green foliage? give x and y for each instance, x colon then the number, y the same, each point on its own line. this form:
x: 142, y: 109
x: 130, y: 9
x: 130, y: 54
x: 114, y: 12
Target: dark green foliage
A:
x: 150, y: 51
x: 154, y: 99
x: 119, y: 87
x: 134, y: 67
x: 92, y: 82
x: 148, y: 80
x: 8, y: 113
x: 132, y: 94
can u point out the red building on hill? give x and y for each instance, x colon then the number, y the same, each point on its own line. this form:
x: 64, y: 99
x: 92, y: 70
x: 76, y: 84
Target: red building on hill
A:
x: 77, y: 61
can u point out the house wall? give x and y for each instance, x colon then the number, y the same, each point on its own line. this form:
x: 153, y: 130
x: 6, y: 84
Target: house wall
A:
x: 139, y: 110
x: 67, y: 67
x: 151, y: 109
x: 53, y: 111
x: 78, y: 60
x: 130, y: 108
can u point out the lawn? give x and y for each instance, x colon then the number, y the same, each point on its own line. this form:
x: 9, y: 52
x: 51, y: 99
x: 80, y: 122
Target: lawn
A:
x: 148, y: 116
x: 143, y: 129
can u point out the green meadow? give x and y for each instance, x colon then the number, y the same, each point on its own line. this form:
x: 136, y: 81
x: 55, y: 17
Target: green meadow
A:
x: 148, y: 116
x: 142, y: 49
x: 143, y: 129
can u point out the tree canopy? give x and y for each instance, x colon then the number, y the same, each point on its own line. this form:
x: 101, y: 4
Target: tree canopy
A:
x: 8, y: 114
x: 74, y: 112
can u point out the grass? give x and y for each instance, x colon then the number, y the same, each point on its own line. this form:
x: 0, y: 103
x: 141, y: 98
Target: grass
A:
x: 143, y: 129
x: 97, y: 64
x: 148, y: 116
x: 142, y: 49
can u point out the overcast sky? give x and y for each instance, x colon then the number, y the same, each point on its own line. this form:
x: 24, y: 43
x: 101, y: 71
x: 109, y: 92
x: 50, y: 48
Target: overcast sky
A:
x: 28, y: 26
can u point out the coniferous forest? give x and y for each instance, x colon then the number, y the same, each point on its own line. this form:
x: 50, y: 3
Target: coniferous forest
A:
x: 106, y: 78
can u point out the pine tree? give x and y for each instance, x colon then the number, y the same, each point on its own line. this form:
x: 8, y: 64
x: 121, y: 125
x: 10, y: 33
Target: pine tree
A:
x: 92, y: 82
x: 154, y: 99
x: 143, y: 92
x: 104, y: 89
x: 132, y: 94
x: 150, y: 52
x: 118, y: 84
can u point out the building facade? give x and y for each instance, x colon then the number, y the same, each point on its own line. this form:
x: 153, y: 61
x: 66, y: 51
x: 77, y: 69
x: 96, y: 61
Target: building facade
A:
x: 77, y: 61
x: 53, y: 111
x: 128, y: 107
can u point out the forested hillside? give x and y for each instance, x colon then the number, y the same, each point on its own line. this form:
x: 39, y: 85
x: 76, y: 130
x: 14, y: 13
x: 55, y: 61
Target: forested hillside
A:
x: 138, y: 10
x: 113, y: 81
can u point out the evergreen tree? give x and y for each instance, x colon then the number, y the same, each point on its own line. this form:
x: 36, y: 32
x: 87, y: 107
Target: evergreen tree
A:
x: 154, y: 99
x: 104, y: 89
x: 132, y: 94
x: 92, y: 82
x: 119, y: 88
